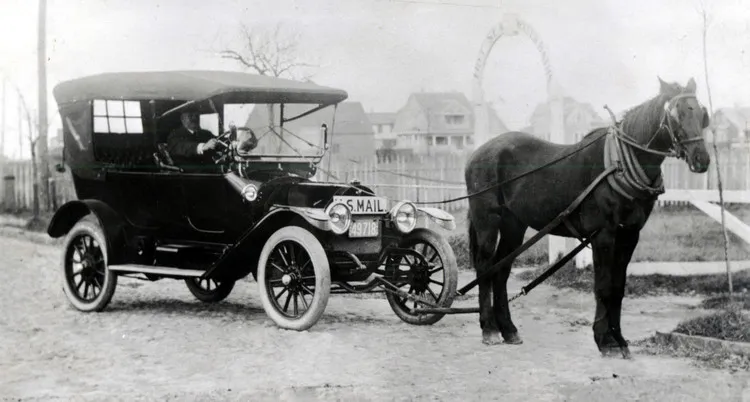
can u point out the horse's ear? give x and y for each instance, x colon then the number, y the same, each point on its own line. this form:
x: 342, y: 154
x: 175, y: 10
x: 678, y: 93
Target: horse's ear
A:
x: 663, y: 86
x: 691, y: 86
x: 706, y: 118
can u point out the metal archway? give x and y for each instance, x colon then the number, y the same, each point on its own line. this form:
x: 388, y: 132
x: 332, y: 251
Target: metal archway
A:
x: 510, y: 26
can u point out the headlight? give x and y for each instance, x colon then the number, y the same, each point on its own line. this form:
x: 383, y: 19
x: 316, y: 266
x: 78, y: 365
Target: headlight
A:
x: 340, y: 217
x: 250, y: 192
x: 404, y: 216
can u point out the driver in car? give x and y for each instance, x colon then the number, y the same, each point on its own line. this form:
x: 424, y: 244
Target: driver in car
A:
x: 192, y: 145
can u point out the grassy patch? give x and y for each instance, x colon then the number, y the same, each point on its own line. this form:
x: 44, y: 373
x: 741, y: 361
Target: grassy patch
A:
x: 728, y: 325
x: 706, y: 358
x: 722, y: 301
x: 684, y: 233
x: 535, y: 255
x: 647, y: 285
x: 567, y: 277
x: 672, y: 233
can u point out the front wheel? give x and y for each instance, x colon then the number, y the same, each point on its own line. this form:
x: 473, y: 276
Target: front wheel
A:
x: 294, y: 278
x: 434, y: 276
x: 87, y: 281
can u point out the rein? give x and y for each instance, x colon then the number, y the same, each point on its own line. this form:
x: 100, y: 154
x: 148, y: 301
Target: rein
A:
x: 631, y: 175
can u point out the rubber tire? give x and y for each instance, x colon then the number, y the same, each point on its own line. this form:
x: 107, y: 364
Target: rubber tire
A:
x: 89, y: 225
x: 209, y: 296
x: 450, y: 276
x: 322, y: 278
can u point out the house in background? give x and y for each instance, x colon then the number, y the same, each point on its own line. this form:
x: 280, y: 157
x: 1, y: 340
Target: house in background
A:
x: 580, y: 118
x: 385, y: 137
x: 731, y: 124
x: 351, y: 136
x: 439, y: 122
x: 382, y: 126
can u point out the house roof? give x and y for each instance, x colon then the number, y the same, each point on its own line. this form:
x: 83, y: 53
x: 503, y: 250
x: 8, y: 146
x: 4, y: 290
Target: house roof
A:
x: 350, y: 118
x: 570, y: 106
x: 738, y: 117
x: 382, y: 118
x: 438, y: 104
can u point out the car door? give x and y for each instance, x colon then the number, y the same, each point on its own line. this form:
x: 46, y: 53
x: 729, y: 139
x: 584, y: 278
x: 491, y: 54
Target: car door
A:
x: 205, y: 211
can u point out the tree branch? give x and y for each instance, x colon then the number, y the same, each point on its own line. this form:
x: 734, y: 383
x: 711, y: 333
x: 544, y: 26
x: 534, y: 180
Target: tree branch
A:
x: 268, y: 53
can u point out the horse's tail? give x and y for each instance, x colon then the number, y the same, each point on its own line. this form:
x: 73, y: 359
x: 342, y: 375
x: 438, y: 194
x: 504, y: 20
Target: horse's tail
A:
x: 473, y: 252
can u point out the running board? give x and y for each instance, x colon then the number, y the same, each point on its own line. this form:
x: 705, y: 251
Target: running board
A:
x: 150, y: 269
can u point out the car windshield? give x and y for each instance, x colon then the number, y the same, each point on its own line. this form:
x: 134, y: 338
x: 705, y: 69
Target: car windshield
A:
x: 300, y: 137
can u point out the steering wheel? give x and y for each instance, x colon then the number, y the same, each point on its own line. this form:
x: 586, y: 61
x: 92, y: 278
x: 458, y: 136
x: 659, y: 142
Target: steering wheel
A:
x: 221, y: 152
x: 221, y: 139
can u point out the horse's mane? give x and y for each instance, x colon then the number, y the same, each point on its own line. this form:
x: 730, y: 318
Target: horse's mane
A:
x: 640, y: 119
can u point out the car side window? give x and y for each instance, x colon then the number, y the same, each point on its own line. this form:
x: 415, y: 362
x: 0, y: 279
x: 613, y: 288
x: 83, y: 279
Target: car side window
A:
x: 210, y: 122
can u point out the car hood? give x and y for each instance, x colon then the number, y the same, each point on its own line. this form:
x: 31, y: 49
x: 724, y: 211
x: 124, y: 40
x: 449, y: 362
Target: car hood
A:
x: 296, y: 191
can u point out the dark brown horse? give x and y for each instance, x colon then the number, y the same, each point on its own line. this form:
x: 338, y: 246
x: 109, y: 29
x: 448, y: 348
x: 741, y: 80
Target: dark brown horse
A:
x: 670, y: 124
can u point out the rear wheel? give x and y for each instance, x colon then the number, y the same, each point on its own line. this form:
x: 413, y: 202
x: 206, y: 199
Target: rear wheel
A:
x: 434, y: 277
x: 294, y: 278
x: 209, y: 290
x: 87, y: 281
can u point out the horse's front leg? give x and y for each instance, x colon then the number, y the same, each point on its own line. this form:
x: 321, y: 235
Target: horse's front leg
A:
x: 612, y: 252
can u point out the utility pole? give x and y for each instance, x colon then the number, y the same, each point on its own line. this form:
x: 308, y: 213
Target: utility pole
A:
x: 2, y: 130
x: 42, y: 71
x: 20, y: 129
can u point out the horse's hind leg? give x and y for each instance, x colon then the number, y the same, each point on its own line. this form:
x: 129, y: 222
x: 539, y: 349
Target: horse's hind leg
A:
x: 511, y: 237
x: 483, y: 237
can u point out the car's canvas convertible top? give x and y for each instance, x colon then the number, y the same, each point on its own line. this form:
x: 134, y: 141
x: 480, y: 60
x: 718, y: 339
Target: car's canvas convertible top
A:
x: 198, y: 85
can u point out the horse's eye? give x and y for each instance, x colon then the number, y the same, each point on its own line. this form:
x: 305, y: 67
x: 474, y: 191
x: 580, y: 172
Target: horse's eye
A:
x: 690, y: 108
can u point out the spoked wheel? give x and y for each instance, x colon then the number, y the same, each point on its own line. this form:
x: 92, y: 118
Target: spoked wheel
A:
x: 87, y: 282
x: 209, y: 290
x: 436, y: 281
x: 294, y: 278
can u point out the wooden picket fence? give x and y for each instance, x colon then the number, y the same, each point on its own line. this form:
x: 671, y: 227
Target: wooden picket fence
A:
x: 17, y: 189
x: 418, y: 178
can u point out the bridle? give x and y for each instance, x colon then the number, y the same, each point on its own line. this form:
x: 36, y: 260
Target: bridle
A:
x: 677, y: 149
x: 630, y: 179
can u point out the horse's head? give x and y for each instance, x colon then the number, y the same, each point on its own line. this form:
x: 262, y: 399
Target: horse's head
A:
x: 684, y: 121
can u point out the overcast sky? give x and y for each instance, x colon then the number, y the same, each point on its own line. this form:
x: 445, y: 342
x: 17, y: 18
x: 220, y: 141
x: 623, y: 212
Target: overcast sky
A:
x: 380, y: 51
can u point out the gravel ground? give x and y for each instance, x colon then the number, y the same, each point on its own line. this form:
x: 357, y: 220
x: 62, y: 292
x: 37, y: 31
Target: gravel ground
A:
x: 155, y: 342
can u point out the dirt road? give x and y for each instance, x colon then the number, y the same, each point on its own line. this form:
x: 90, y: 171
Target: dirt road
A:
x: 156, y: 342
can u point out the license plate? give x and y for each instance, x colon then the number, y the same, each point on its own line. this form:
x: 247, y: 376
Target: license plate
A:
x: 363, y: 205
x: 364, y: 228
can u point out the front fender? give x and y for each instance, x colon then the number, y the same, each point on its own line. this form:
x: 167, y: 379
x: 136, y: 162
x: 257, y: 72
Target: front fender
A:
x: 109, y: 220
x: 245, y: 252
x: 437, y: 215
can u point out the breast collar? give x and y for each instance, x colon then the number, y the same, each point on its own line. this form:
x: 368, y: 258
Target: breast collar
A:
x: 629, y: 180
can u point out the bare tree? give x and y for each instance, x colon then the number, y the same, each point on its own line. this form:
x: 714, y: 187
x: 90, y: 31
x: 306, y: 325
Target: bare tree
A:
x: 270, y: 53
x: 32, y: 146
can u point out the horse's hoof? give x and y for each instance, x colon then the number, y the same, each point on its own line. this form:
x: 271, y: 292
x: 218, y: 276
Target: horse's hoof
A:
x: 491, y: 338
x: 514, y: 339
x: 613, y: 351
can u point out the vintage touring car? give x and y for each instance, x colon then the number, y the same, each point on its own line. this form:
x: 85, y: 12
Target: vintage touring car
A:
x: 265, y: 212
